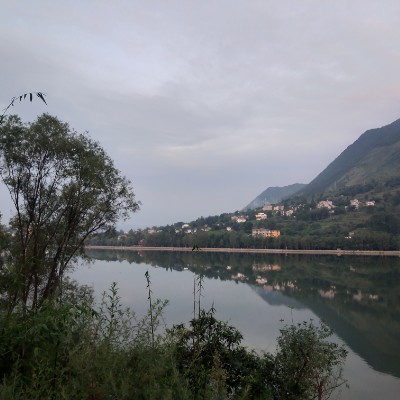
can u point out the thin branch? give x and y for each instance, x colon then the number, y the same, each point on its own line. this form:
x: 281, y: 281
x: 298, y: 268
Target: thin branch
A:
x: 40, y: 95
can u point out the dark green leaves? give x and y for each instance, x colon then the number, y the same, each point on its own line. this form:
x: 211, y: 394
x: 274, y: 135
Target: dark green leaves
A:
x: 64, y: 188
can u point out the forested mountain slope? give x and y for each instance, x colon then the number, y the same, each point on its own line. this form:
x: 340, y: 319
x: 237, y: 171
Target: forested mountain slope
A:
x: 373, y: 158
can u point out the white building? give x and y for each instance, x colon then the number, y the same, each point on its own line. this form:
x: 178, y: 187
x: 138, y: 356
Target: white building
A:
x: 261, y: 216
x: 238, y: 218
x: 325, y: 204
x: 355, y: 203
x: 265, y: 232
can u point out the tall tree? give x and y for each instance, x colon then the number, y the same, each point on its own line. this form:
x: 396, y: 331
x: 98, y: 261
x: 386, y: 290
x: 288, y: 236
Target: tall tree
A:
x: 64, y: 187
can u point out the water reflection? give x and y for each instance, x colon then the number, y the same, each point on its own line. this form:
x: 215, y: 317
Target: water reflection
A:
x: 358, y: 296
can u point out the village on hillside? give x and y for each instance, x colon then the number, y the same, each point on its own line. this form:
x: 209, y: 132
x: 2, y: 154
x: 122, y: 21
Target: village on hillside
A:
x: 369, y: 221
x: 258, y: 215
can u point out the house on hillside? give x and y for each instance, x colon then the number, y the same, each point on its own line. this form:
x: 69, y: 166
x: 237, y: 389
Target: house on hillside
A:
x: 267, y: 207
x: 325, y: 204
x: 238, y: 218
x: 265, y: 232
x: 260, y: 216
x: 355, y: 203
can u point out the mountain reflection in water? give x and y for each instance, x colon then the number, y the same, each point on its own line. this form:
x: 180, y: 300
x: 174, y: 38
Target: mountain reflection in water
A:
x: 358, y: 296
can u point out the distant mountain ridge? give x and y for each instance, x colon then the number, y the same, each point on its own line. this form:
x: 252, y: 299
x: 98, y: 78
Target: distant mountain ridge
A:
x: 274, y: 195
x: 373, y: 157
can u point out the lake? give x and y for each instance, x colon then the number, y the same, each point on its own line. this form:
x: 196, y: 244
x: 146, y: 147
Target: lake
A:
x: 358, y: 297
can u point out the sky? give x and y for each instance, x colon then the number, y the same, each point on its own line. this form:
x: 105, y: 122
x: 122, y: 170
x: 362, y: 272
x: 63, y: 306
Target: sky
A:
x: 205, y: 104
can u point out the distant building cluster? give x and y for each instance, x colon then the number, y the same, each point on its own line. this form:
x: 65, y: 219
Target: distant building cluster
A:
x: 268, y: 210
x: 357, y: 203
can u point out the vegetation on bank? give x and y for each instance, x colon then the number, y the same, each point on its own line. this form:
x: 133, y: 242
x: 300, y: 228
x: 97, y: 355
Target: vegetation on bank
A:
x: 70, y: 348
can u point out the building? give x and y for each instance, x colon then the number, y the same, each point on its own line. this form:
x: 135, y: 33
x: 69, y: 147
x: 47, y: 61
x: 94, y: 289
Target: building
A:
x: 265, y: 232
x: 325, y: 204
x: 267, y: 207
x: 238, y: 218
x: 261, y: 216
x: 355, y: 203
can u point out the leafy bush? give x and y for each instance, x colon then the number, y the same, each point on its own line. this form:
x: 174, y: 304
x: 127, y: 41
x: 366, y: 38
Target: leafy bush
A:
x: 306, y: 366
x: 209, y: 355
x: 71, y: 349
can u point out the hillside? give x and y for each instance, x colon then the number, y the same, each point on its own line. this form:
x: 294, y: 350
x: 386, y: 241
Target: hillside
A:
x: 373, y: 158
x: 274, y: 195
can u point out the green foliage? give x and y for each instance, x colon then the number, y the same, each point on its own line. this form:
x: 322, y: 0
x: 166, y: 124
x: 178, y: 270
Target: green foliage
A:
x: 306, y: 366
x: 386, y: 222
x: 71, y: 348
x: 64, y: 187
x: 210, y: 356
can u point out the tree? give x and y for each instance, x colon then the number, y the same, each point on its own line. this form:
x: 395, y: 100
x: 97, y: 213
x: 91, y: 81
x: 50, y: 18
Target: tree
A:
x: 64, y: 187
x: 306, y: 365
x: 209, y: 353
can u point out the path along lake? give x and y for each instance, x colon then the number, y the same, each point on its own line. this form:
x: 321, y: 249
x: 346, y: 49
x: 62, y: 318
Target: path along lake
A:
x: 358, y: 297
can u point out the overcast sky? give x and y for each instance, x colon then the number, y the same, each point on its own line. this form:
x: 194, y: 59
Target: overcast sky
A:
x: 205, y: 104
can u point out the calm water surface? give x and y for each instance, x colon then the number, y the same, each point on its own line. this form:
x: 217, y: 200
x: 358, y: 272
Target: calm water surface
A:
x: 358, y: 297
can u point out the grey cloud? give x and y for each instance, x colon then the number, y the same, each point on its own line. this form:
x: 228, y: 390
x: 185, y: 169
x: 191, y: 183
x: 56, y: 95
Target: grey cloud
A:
x: 205, y: 104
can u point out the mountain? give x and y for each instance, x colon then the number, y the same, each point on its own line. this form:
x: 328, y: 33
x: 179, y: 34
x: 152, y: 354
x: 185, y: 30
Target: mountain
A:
x: 374, y: 158
x: 274, y: 195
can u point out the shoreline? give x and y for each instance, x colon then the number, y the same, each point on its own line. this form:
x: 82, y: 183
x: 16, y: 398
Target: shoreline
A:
x: 337, y: 252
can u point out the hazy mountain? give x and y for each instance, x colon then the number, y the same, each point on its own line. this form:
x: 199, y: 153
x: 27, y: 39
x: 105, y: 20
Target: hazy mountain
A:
x: 373, y: 158
x: 274, y: 195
